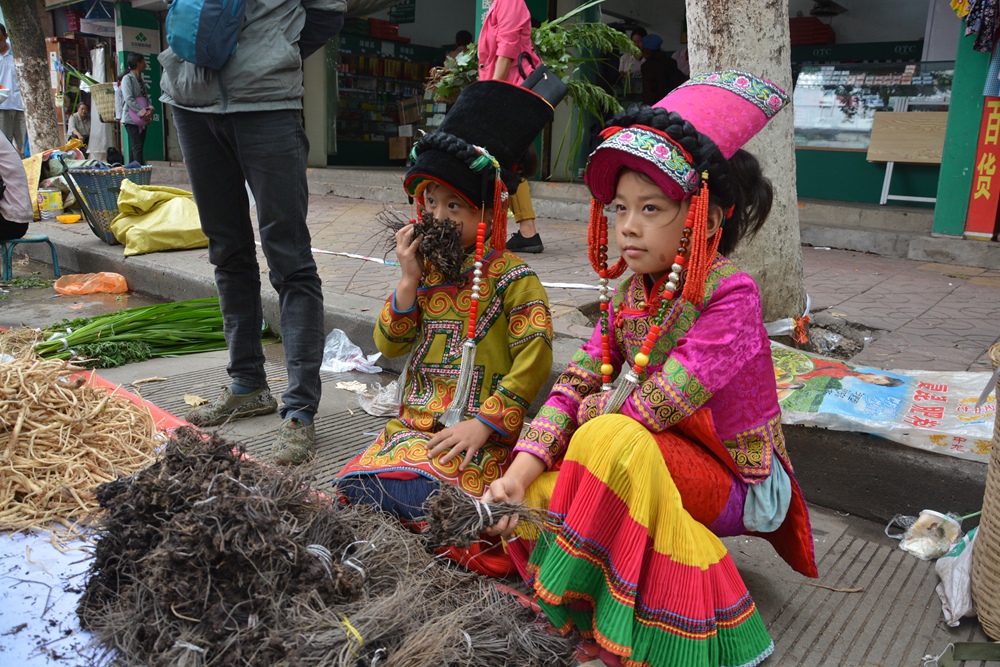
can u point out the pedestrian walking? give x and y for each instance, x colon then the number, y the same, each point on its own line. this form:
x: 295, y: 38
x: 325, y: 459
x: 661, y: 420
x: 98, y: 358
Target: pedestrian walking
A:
x: 136, y: 110
x: 243, y: 125
x: 11, y: 109
x: 506, y: 54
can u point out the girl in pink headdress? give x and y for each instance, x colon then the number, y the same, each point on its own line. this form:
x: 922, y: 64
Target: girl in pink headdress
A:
x: 645, y: 475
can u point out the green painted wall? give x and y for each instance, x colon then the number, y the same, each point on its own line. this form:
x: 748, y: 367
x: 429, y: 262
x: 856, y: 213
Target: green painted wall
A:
x: 961, y: 138
x: 848, y: 176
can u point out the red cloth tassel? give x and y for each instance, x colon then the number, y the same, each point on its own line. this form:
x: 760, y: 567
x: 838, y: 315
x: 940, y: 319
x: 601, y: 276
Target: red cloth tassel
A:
x: 500, y: 201
x: 702, y: 250
x: 597, y: 224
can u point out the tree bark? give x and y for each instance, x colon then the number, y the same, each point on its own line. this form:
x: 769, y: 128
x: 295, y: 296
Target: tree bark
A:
x: 24, y: 29
x: 752, y: 35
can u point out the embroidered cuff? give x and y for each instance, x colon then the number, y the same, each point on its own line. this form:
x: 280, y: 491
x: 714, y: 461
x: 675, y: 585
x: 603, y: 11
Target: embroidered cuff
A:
x: 548, y: 435
x: 504, y: 415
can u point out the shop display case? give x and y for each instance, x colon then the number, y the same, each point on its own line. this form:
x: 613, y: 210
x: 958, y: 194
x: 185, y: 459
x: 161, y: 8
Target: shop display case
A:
x: 373, y: 76
x: 836, y: 103
x: 369, y: 77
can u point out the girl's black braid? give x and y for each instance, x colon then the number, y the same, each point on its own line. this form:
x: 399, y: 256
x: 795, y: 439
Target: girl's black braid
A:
x: 467, y: 153
x: 706, y: 155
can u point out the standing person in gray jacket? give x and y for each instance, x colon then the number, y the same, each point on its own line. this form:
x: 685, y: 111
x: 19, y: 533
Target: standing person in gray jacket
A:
x: 244, y: 123
x: 136, y: 100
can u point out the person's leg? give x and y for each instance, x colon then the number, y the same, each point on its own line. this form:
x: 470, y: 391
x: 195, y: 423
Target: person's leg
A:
x: 20, y: 131
x: 272, y: 147
x: 217, y: 182
x: 12, y: 230
x: 524, y: 212
x: 7, y: 124
x: 135, y: 143
x: 140, y: 147
x: 526, y: 239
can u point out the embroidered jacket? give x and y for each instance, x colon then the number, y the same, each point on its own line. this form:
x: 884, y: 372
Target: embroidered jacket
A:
x: 716, y: 357
x: 513, y: 361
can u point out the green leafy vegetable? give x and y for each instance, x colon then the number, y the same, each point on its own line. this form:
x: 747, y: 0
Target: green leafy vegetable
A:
x: 136, y: 334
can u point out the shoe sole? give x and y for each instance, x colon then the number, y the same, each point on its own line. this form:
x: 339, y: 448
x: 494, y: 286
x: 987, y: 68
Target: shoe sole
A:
x: 236, y: 415
x: 297, y: 462
x: 534, y: 250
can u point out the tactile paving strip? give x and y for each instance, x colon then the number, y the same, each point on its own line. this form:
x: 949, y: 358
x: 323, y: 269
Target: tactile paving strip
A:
x: 893, y: 621
x: 338, y: 437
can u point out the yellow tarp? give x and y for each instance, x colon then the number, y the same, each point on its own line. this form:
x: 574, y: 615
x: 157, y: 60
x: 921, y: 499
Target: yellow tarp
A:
x: 155, y: 217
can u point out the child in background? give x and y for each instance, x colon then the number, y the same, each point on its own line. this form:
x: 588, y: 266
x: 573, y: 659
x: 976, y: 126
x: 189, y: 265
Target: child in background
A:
x: 688, y: 446
x: 480, y: 345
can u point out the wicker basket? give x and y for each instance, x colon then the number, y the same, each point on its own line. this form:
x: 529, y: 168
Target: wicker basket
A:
x: 97, y: 190
x: 986, y: 555
x: 103, y: 96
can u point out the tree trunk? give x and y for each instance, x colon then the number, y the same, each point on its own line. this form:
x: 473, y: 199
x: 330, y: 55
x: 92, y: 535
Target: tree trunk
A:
x: 24, y: 28
x: 752, y: 35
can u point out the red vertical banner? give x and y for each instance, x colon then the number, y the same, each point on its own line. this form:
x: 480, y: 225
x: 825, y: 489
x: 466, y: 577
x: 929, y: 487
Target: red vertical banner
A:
x: 984, y: 200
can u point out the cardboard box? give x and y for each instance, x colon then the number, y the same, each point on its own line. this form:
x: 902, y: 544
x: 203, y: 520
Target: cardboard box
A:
x: 409, y: 110
x: 399, y: 148
x: 406, y: 130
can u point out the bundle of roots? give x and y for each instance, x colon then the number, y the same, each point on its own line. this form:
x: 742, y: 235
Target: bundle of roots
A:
x: 457, y: 519
x: 63, y: 437
x: 208, y: 558
x: 440, y: 240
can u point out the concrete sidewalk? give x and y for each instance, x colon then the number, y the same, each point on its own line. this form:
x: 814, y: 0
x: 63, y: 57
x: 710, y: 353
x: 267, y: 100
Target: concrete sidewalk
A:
x: 926, y: 316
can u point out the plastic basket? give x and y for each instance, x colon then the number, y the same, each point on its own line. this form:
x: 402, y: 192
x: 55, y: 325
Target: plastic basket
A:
x: 103, y: 96
x: 97, y: 190
x: 986, y: 554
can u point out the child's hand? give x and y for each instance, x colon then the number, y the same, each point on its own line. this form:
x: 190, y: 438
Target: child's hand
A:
x: 468, y: 436
x: 408, y: 253
x: 504, y: 490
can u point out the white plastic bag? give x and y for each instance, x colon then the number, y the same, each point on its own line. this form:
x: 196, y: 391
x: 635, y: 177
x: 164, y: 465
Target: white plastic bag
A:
x: 341, y: 355
x: 955, y: 589
x: 932, y: 535
x: 380, y: 401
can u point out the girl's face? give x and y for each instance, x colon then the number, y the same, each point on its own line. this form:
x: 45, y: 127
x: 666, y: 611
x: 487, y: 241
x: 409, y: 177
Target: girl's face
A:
x: 648, y: 224
x: 442, y: 202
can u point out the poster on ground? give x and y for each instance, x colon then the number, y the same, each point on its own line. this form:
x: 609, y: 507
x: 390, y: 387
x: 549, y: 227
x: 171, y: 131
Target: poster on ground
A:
x: 931, y: 410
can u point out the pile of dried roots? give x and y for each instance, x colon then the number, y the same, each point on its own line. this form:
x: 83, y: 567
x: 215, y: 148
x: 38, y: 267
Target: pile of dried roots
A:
x: 207, y: 558
x: 440, y: 240
x: 63, y: 438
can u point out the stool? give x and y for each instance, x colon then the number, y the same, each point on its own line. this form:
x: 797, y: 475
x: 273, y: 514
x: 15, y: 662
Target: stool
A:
x: 7, y: 247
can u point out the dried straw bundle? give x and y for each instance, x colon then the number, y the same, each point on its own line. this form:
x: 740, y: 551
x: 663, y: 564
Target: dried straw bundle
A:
x: 440, y: 241
x: 19, y: 342
x: 456, y: 519
x: 63, y: 438
x: 210, y: 559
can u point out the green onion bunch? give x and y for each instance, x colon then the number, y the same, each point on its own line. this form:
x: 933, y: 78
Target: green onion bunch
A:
x: 136, y: 334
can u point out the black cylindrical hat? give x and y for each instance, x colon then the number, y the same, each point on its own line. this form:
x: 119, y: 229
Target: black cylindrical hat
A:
x: 497, y: 116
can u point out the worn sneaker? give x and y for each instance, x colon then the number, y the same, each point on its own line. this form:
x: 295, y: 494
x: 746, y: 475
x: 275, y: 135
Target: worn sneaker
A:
x: 295, y: 443
x: 230, y: 406
x: 518, y: 243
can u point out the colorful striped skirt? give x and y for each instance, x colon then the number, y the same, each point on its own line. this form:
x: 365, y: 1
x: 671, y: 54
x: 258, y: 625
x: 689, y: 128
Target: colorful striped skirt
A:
x: 633, y: 563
